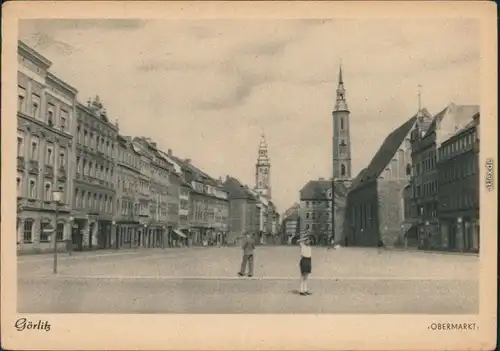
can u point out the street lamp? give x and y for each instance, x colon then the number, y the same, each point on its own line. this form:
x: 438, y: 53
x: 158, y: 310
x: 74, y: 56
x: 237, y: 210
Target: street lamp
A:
x: 57, y: 196
x: 113, y: 229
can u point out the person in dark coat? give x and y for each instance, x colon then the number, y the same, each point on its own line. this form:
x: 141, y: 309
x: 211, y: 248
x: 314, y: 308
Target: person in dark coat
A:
x: 248, y: 247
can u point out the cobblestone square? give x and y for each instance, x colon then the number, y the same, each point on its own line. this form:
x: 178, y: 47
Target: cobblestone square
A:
x: 204, y: 280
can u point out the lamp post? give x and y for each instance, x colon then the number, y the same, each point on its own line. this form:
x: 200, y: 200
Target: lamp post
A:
x: 69, y: 240
x: 57, y: 196
x: 460, y: 233
x: 113, y: 230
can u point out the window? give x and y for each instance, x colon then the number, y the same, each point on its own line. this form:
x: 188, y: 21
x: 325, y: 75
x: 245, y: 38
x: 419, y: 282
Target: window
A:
x: 21, y: 99
x: 64, y: 120
x: 60, y: 232
x: 34, y: 148
x: 62, y: 157
x: 46, y: 192
x: 32, y: 189
x: 28, y: 231
x: 85, y: 138
x: 342, y: 170
x: 50, y: 115
x: 341, y: 124
x: 408, y: 170
x: 20, y: 141
x: 44, y: 236
x: 50, y: 154
x: 35, y: 106
x: 19, y: 183
x: 307, y: 215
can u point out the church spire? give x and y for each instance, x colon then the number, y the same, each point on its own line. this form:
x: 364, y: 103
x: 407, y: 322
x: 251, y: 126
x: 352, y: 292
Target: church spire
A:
x: 263, y: 169
x: 341, y: 102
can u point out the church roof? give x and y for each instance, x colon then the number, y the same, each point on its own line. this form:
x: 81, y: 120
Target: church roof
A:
x: 316, y: 190
x: 387, y: 150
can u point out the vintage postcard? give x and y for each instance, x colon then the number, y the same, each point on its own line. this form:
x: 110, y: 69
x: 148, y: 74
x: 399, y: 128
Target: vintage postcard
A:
x: 249, y: 175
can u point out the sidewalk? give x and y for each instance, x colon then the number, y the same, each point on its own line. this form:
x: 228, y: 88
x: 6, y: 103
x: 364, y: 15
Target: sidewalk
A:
x: 97, y: 253
x: 414, y: 249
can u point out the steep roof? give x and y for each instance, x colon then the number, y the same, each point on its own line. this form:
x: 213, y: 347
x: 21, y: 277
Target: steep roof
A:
x: 461, y: 113
x: 359, y: 178
x: 199, y: 174
x: 388, y: 148
x: 317, y: 190
x: 236, y: 190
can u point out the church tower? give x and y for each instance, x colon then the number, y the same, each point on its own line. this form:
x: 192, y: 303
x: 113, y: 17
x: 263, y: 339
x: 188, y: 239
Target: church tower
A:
x: 341, y: 135
x: 263, y: 170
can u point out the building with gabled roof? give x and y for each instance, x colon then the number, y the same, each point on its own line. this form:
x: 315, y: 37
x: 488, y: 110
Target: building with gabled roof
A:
x: 244, y: 213
x: 316, y: 209
x: 424, y: 182
x: 374, y: 209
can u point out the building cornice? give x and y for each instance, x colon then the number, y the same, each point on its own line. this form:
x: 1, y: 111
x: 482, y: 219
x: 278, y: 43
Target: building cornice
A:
x: 30, y: 53
x: 98, y: 118
x: 61, y: 84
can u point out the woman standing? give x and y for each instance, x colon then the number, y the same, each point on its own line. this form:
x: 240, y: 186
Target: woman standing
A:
x: 305, y: 264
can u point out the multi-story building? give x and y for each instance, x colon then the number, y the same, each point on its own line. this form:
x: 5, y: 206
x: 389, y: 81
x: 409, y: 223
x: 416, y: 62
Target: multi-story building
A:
x: 243, y: 215
x: 94, y: 186
x: 375, y: 207
x: 45, y: 152
x: 316, y: 209
x: 290, y: 225
x: 458, y: 189
x: 126, y: 215
x: 424, y: 170
x: 181, y: 189
x: 208, y: 207
x: 163, y: 216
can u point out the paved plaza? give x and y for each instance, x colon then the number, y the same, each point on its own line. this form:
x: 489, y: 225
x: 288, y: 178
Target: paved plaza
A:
x: 204, y: 280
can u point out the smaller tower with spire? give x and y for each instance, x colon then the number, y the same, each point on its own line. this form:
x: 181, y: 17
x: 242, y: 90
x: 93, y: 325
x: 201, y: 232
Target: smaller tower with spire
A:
x: 341, y: 134
x: 263, y: 170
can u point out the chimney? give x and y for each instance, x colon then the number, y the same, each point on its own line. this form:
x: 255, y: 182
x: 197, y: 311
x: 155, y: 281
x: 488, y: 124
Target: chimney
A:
x: 153, y: 143
x: 321, y: 178
x: 187, y: 160
x: 169, y: 152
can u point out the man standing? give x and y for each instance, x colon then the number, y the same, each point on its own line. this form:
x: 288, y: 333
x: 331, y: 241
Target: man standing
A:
x: 248, y: 247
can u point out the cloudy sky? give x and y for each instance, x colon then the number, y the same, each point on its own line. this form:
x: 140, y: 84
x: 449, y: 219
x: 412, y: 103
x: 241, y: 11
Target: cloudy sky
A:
x: 208, y: 88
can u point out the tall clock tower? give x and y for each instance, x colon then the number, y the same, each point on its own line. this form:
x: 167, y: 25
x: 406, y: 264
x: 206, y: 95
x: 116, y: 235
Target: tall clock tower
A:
x: 341, y: 135
x: 263, y: 170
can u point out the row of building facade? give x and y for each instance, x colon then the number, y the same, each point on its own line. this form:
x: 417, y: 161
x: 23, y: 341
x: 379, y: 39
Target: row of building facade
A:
x: 421, y: 188
x: 118, y: 191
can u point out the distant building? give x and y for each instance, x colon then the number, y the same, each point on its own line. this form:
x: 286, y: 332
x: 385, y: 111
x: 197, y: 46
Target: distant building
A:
x: 458, y: 189
x: 316, y: 210
x: 45, y: 152
x: 424, y: 169
x: 263, y: 170
x: 375, y: 202
x: 290, y: 224
x: 243, y: 213
x: 208, y: 208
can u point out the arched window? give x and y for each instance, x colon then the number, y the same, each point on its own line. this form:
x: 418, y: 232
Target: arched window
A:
x: 342, y: 170
x: 341, y: 124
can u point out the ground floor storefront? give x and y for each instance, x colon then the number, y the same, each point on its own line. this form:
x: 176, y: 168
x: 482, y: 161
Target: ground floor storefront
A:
x: 35, y: 230
x: 460, y: 234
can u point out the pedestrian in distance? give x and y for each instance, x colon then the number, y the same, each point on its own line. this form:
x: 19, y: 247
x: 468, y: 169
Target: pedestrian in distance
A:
x: 305, y: 264
x: 248, y: 247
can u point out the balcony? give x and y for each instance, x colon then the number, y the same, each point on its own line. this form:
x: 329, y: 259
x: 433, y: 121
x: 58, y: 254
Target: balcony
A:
x: 20, y: 163
x: 48, y: 171
x: 62, y: 174
x: 49, y: 205
x: 33, y: 167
